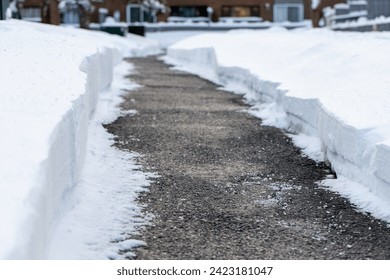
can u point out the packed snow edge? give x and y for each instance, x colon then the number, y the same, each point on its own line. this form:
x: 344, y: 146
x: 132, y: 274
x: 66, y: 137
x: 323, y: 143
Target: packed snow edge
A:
x: 48, y: 100
x: 354, y: 153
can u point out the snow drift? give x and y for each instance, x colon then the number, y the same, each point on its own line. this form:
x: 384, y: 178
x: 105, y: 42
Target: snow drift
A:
x: 331, y: 88
x: 50, y: 78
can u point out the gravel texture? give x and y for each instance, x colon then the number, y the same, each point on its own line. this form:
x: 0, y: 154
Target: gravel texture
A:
x: 230, y: 188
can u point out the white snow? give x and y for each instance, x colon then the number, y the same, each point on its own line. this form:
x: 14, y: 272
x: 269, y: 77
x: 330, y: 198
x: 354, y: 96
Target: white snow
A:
x: 50, y: 79
x: 355, y: 14
x: 168, y: 38
x: 357, y: 2
x: 362, y: 22
x: 240, y: 20
x: 315, y: 4
x: 330, y: 88
x: 199, y: 22
x: 102, y: 208
x: 341, y: 6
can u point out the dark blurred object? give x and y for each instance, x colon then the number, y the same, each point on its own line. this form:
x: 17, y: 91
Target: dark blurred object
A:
x: 137, y: 29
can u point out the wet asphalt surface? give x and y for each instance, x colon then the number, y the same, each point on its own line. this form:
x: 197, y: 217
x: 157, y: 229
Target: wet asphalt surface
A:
x: 228, y: 187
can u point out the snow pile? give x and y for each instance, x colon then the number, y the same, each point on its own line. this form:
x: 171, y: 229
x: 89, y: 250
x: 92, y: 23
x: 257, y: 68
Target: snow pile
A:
x: 331, y: 87
x: 102, y: 210
x: 363, y: 22
x: 168, y: 38
x: 50, y: 80
x: 315, y: 4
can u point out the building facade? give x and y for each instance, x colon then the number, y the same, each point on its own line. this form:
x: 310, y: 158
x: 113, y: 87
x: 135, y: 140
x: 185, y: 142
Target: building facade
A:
x: 221, y: 8
x: 56, y: 12
x: 112, y: 8
x: 3, y: 7
x: 378, y: 8
x: 317, y: 12
x: 41, y: 11
x: 268, y: 10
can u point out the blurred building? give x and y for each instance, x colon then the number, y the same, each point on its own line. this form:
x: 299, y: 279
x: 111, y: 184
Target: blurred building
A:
x: 68, y: 11
x: 355, y: 10
x: 45, y: 11
x: 221, y: 8
x: 3, y: 8
x: 113, y: 8
x: 317, y: 10
x: 267, y: 10
x: 378, y: 8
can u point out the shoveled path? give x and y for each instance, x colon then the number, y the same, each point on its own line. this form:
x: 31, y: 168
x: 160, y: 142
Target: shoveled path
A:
x: 230, y: 188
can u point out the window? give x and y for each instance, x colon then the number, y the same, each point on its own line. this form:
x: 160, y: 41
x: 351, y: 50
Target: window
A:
x: 255, y: 11
x: 189, y: 11
x: 138, y: 13
x: 31, y: 13
x: 226, y: 11
x: 135, y: 13
x: 240, y: 11
x: 288, y: 12
x: 70, y: 14
x: 293, y: 14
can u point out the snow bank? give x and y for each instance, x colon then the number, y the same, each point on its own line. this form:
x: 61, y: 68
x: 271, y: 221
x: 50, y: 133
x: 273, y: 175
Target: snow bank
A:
x: 332, y: 87
x: 102, y: 209
x: 50, y: 78
x: 363, y: 24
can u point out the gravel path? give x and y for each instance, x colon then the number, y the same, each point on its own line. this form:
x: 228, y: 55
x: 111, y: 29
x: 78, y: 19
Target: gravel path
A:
x: 230, y: 188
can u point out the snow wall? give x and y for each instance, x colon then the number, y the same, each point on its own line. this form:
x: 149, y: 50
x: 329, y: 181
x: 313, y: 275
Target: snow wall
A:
x: 47, y: 99
x: 61, y: 170
x: 358, y: 155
